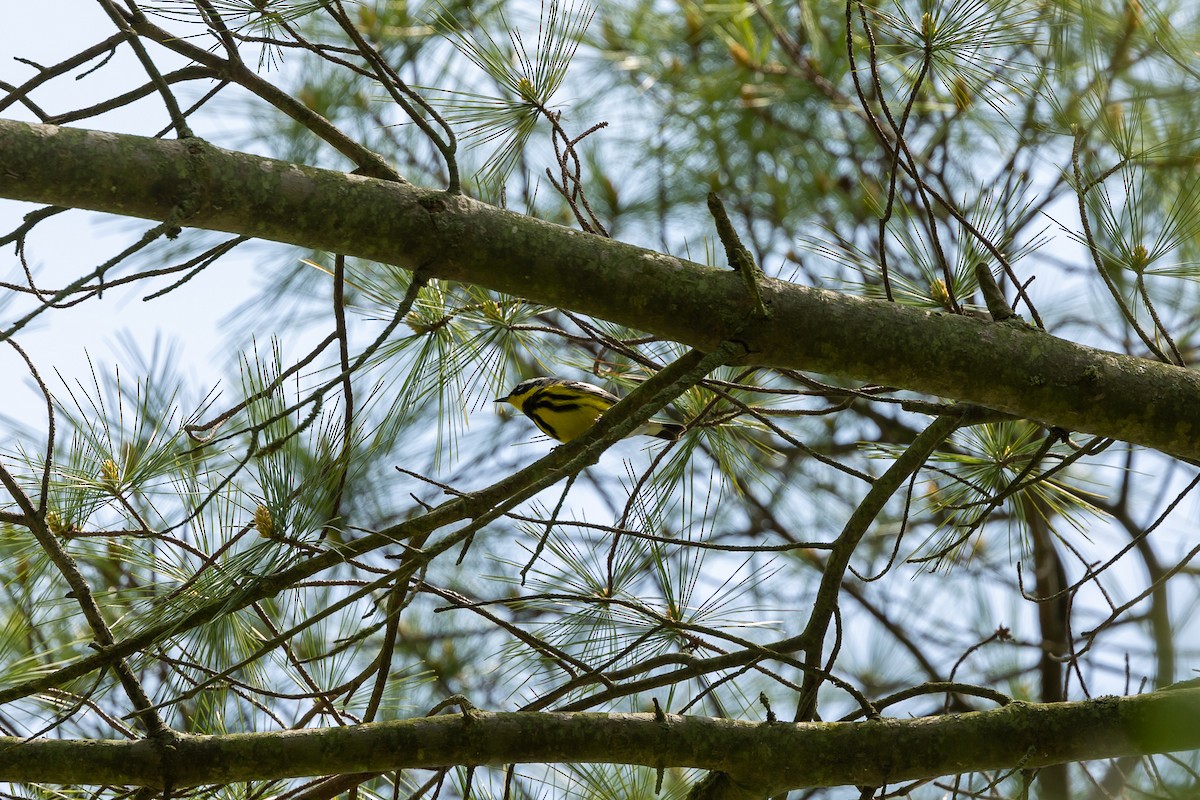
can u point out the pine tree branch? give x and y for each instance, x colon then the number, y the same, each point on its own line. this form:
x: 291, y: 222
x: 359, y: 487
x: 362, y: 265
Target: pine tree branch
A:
x: 770, y: 756
x: 1003, y: 367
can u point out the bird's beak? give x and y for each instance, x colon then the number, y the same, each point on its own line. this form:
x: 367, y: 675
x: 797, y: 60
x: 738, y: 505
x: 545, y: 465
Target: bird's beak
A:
x: 500, y: 400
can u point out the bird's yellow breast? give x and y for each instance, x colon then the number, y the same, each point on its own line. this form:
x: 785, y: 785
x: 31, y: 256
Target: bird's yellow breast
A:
x: 565, y: 425
x: 564, y: 410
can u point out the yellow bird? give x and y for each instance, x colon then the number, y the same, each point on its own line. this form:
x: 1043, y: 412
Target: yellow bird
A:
x: 564, y: 409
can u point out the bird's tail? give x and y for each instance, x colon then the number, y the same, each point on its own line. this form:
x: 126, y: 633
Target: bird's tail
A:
x: 662, y: 430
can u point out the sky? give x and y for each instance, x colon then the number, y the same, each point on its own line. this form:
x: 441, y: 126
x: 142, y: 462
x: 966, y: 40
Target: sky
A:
x: 195, y: 319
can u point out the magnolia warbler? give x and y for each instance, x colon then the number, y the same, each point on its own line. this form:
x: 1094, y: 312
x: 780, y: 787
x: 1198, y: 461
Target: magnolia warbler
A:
x: 564, y: 409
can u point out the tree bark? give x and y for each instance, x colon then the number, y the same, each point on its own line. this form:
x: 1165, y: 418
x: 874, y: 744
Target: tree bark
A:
x: 775, y: 756
x: 1008, y: 366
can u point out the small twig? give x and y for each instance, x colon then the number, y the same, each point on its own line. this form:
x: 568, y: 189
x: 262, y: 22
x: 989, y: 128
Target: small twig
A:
x: 1177, y: 357
x: 1097, y: 259
x: 124, y: 24
x: 413, y: 104
x: 766, y: 703
x: 541, y: 545
x: 343, y: 337
x: 464, y: 705
x: 739, y: 257
x: 48, y: 459
x: 997, y: 306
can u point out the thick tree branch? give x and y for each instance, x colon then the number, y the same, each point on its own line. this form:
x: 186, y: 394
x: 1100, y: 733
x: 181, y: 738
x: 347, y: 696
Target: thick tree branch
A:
x: 774, y: 756
x: 1003, y: 366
